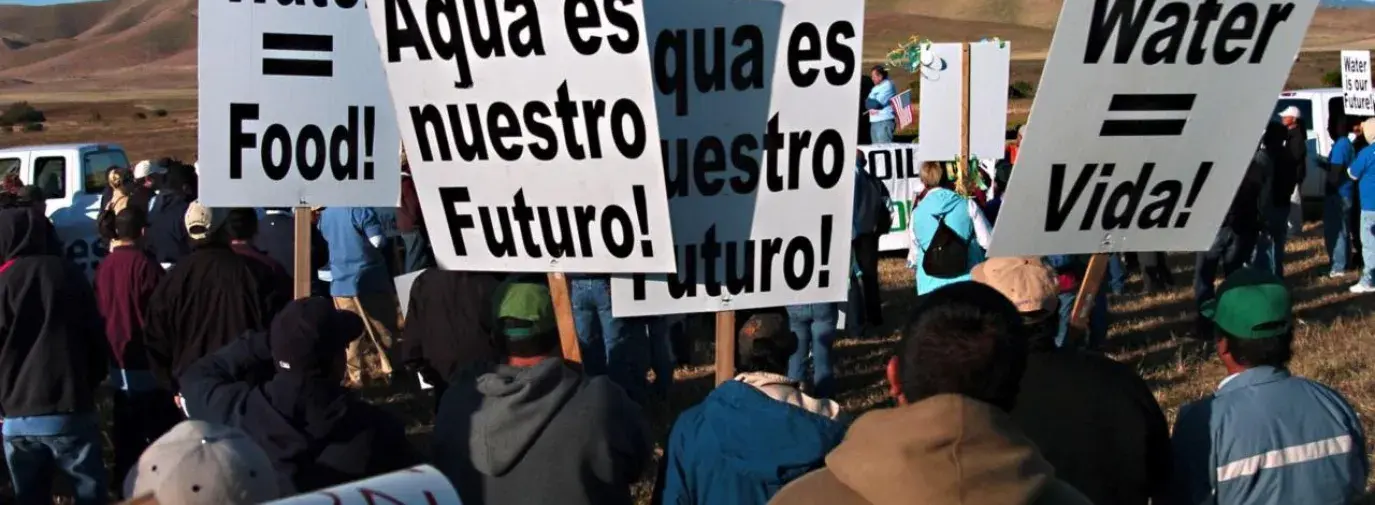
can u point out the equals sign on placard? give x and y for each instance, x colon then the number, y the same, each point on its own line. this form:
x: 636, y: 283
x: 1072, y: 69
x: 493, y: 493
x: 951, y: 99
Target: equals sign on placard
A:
x: 276, y: 63
x: 1143, y: 115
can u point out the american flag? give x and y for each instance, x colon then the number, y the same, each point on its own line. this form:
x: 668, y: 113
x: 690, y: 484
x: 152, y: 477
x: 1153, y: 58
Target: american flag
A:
x: 902, y: 108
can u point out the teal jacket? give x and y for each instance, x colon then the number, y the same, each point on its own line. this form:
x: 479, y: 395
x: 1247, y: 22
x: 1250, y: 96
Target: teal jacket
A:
x: 925, y: 216
x: 1268, y: 438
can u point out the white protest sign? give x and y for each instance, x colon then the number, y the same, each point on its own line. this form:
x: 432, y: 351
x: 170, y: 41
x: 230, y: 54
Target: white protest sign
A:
x: 1357, y: 96
x: 529, y: 132
x: 940, y: 92
x: 293, y: 106
x: 421, y: 485
x: 897, y: 167
x: 759, y: 152
x: 1147, y: 116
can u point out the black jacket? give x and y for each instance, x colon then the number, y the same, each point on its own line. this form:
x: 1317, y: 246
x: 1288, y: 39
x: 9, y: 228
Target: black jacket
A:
x: 1291, y: 166
x: 207, y: 300
x: 166, y: 237
x: 448, y: 323
x: 52, y: 342
x: 316, y: 432
x: 277, y: 238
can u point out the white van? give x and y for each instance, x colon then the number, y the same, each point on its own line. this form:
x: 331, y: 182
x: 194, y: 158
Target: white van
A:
x: 1316, y: 108
x: 73, y: 178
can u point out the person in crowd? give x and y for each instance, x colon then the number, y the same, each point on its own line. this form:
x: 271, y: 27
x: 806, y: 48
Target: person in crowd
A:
x: 1362, y: 171
x: 1236, y: 238
x: 211, y: 298
x: 955, y: 375
x: 1290, y: 169
x: 410, y: 223
x: 54, y: 352
x: 167, y: 238
x: 124, y: 284
x: 150, y: 173
x: 277, y: 239
x: 1337, y: 195
x: 534, y: 429
x: 609, y: 345
x: 655, y: 331
x: 1353, y: 218
x: 199, y: 463
x: 1070, y: 271
x: 872, y: 219
x: 717, y: 452
x: 317, y: 433
x: 814, y: 327
x: 241, y: 225
x: 448, y: 324
x: 1094, y: 419
x: 1265, y: 436
x: 361, y: 284
x: 881, y: 114
x: 949, y: 233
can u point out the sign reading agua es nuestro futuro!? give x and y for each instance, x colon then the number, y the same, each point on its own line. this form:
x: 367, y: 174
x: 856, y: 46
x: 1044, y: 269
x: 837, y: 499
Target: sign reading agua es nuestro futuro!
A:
x: 1146, y: 118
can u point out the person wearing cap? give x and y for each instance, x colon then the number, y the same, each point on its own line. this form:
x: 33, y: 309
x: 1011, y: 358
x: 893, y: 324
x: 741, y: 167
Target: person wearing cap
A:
x: 209, y: 299
x: 1362, y: 171
x: 167, y: 238
x: 360, y: 283
x: 54, y: 354
x: 533, y: 429
x: 950, y: 440
x: 1235, y: 241
x: 1290, y: 168
x: 200, y: 463
x: 717, y: 452
x: 1337, y: 194
x: 124, y: 283
x: 1093, y: 418
x: 1266, y: 436
x: 317, y: 433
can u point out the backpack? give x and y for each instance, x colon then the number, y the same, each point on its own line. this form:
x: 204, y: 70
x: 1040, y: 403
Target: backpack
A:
x: 948, y: 255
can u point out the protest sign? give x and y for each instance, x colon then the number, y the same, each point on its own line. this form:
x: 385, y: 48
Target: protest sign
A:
x: 1147, y: 116
x: 897, y: 167
x: 941, y: 88
x: 529, y: 132
x: 420, y: 485
x: 756, y: 108
x: 293, y: 106
x: 1357, y: 96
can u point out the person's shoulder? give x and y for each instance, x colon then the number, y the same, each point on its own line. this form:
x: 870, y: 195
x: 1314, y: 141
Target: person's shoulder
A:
x: 1058, y: 492
x: 818, y: 487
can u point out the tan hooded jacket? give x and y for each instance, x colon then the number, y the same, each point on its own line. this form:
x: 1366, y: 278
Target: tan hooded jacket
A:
x: 944, y: 450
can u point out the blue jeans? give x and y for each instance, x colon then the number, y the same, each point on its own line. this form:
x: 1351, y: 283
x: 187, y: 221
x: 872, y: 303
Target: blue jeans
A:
x: 881, y: 132
x: 1368, y: 246
x: 34, y: 460
x: 661, y: 359
x: 1270, y: 243
x: 1335, y: 238
x: 607, y: 347
x: 814, y: 325
x: 1098, y: 319
x: 1117, y: 274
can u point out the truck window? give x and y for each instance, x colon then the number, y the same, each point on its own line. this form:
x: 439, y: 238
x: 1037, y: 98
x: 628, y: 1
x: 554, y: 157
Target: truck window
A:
x: 9, y: 166
x: 94, y: 164
x: 1305, y: 110
x: 50, y: 174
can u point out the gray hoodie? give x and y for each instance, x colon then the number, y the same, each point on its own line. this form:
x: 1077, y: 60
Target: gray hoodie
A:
x: 544, y: 434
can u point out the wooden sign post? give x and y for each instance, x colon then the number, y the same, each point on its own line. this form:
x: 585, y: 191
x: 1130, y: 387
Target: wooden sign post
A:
x: 1083, y: 302
x: 962, y: 165
x: 302, y: 273
x: 725, y: 346
x: 563, y: 311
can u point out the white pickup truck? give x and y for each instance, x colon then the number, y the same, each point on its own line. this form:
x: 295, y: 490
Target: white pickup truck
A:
x: 73, y: 178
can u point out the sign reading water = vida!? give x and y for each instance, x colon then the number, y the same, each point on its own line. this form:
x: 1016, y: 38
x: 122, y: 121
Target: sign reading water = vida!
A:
x: 293, y: 106
x: 1147, y: 116
x: 530, y: 131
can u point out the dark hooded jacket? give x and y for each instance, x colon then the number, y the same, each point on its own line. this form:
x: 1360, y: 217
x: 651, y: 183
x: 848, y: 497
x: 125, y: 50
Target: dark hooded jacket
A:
x: 317, y: 433
x: 166, y: 238
x: 209, y: 299
x: 448, y: 323
x: 52, y: 344
x: 540, y: 434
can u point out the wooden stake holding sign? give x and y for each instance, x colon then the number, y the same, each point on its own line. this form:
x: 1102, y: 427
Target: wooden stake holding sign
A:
x: 563, y: 311
x: 725, y: 346
x: 1083, y: 302
x: 962, y: 165
x: 301, y: 270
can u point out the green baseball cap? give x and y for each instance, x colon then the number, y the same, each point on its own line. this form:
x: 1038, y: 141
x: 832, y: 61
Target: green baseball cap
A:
x: 1251, y: 304
x: 523, y: 309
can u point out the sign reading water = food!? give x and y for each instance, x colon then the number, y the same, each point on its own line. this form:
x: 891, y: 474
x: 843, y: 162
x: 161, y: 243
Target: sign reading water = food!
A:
x: 1147, y: 116
x: 293, y: 106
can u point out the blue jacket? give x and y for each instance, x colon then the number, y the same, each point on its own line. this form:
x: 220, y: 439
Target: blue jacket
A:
x: 879, y: 99
x: 1268, y: 438
x: 925, y: 216
x: 166, y: 237
x: 739, y: 447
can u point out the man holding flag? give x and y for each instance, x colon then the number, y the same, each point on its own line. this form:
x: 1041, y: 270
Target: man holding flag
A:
x: 880, y: 104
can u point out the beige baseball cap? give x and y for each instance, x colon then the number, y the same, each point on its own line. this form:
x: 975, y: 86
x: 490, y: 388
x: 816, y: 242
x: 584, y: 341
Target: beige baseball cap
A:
x: 1025, y: 280
x: 201, y: 221
x: 202, y: 463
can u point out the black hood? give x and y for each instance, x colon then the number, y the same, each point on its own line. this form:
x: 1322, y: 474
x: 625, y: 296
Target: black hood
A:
x: 24, y: 234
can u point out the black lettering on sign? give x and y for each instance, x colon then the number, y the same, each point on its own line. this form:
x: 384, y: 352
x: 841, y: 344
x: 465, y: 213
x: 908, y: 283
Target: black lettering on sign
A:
x: 699, y: 165
x: 558, y: 231
x: 746, y: 266
x: 450, y: 33
x: 308, y: 151
x: 895, y: 164
x: 1178, y: 26
x: 1117, y: 210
